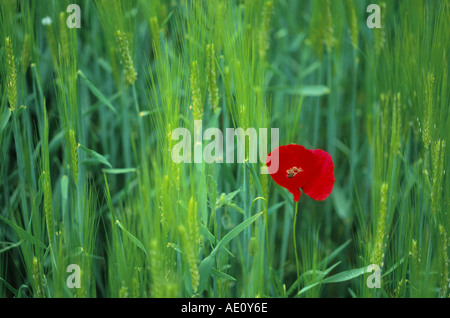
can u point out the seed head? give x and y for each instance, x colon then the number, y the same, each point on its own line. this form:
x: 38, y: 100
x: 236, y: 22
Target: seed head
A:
x: 196, y: 107
x: 123, y: 48
x: 11, y: 74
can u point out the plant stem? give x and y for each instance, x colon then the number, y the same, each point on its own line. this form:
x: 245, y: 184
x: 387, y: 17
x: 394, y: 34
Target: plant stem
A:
x: 295, y: 246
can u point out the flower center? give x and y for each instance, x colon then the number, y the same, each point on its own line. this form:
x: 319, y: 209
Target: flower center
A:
x: 293, y: 171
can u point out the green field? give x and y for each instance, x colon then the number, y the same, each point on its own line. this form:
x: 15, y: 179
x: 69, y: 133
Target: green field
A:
x: 87, y: 118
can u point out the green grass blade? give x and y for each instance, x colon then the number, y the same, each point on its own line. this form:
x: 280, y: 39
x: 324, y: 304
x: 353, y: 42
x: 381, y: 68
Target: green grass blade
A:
x: 4, y: 119
x: 96, y: 156
x: 133, y: 238
x: 12, y: 245
x: 97, y: 92
x: 222, y: 275
x: 206, y: 265
x: 338, y: 278
x: 22, y: 233
x: 335, y: 253
x: 120, y: 171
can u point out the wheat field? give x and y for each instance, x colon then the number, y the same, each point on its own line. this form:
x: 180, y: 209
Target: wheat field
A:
x: 93, y: 204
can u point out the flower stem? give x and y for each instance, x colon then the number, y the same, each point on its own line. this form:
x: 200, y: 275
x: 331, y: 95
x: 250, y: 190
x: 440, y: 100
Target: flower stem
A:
x: 295, y: 246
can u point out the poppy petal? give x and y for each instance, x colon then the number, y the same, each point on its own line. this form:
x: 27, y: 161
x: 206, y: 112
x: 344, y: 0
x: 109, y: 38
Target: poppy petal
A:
x: 287, y: 157
x: 296, y: 193
x: 321, y: 183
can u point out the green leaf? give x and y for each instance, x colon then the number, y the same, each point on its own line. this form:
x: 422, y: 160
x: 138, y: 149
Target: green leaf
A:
x: 64, y: 188
x: 97, y: 92
x: 314, y: 90
x: 4, y: 119
x: 119, y: 171
x: 320, y: 274
x: 219, y: 274
x: 311, y: 68
x: 338, y: 278
x: 310, y: 91
x: 204, y: 270
x: 22, y: 233
x: 11, y: 289
x: 334, y: 253
x: 275, y: 207
x: 393, y: 267
x: 235, y: 232
x: 226, y: 199
x: 96, y: 156
x: 206, y: 265
x: 166, y: 20
x: 234, y: 206
x: 346, y: 275
x: 133, y: 238
x: 210, y: 237
x: 99, y: 104
x: 11, y: 245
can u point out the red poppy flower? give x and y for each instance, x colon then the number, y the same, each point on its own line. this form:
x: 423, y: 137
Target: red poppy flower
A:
x: 294, y: 167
